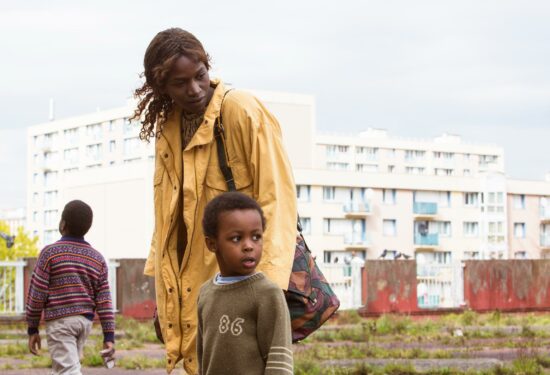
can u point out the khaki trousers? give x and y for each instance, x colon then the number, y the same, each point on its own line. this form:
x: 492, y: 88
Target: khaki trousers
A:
x: 66, y: 338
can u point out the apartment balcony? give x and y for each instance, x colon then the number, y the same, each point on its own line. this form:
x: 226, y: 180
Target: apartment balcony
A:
x: 545, y: 214
x: 356, y: 241
x: 426, y: 241
x: 45, y: 165
x: 545, y: 240
x: 356, y: 209
x: 46, y: 145
x: 425, y: 209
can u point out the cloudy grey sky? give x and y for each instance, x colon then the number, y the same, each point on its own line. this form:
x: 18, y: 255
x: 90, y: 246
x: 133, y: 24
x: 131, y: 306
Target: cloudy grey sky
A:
x: 417, y: 68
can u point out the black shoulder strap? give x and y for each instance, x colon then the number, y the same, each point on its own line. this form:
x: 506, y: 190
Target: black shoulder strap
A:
x: 222, y: 156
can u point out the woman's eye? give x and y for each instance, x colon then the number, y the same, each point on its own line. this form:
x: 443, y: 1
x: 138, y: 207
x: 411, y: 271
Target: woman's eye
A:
x: 200, y: 76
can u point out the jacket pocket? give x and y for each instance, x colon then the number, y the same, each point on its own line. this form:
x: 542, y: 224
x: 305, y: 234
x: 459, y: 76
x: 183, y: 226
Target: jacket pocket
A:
x: 215, y: 183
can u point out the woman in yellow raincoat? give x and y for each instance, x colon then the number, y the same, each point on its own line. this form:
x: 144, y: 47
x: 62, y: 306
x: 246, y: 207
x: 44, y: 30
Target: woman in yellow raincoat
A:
x: 178, y: 107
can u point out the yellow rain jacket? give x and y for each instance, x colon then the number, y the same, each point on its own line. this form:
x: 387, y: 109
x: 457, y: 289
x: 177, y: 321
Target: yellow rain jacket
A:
x: 260, y: 168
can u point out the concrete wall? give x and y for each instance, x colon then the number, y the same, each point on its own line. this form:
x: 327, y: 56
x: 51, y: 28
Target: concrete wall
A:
x: 512, y: 285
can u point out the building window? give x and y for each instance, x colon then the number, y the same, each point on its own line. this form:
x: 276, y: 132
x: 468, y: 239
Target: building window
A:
x: 414, y: 170
x: 336, y: 226
x: 50, y: 198
x: 329, y: 193
x: 444, y: 228
x: 519, y: 230
x: 367, y: 153
x: 333, y: 150
x: 471, y: 199
x: 50, y: 218
x: 390, y: 152
x: 71, y: 136
x: 443, y: 172
x: 391, y: 168
x: 495, y: 232
x: 413, y: 155
x: 93, y: 152
x: 70, y: 156
x: 94, y: 132
x: 112, y: 146
x: 131, y: 147
x: 305, y: 222
x: 388, y: 196
x: 471, y: 229
x: 519, y: 201
x: 50, y: 179
x: 389, y: 227
x: 467, y: 172
x: 366, y: 168
x: 335, y: 166
x: 130, y: 127
x: 303, y: 193
x: 442, y: 257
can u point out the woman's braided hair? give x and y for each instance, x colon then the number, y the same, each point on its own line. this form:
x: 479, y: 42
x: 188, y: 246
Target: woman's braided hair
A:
x: 165, y: 48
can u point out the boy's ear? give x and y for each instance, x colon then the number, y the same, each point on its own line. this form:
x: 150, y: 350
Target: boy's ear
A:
x: 211, y: 244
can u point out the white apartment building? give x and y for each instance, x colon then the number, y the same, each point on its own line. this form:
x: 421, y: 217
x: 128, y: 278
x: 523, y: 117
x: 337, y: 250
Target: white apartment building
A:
x: 369, y: 194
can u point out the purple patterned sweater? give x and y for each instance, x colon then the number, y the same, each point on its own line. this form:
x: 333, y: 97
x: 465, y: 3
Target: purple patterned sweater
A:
x: 70, y: 278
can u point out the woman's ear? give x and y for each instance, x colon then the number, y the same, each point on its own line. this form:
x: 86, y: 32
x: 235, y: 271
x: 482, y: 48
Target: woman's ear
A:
x: 211, y: 244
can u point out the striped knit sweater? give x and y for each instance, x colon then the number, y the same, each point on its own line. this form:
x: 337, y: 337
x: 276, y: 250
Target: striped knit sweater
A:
x: 70, y: 278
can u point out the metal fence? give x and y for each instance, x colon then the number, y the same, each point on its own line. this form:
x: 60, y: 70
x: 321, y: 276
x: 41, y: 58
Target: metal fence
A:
x: 345, y: 280
x: 12, y: 287
x: 440, y: 285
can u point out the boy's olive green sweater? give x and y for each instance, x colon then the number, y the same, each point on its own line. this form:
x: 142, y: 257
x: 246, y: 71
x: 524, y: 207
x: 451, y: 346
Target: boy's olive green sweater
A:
x: 244, y: 328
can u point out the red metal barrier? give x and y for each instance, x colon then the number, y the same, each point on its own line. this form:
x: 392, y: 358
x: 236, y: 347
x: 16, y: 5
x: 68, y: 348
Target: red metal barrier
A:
x: 507, y: 285
x: 389, y: 286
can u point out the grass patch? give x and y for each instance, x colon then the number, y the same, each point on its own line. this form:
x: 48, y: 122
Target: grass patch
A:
x: 140, y: 363
x: 14, y: 350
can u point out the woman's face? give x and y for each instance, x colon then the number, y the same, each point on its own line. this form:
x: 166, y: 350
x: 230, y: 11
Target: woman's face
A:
x: 188, y: 85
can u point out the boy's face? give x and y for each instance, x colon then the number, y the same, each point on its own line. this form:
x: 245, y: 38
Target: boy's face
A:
x: 238, y: 245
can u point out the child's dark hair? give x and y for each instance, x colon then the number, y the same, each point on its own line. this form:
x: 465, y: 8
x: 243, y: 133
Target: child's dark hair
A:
x: 78, y: 218
x: 223, y: 203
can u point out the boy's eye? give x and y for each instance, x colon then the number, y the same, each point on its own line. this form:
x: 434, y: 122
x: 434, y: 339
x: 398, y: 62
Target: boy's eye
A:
x: 235, y: 239
x: 257, y: 237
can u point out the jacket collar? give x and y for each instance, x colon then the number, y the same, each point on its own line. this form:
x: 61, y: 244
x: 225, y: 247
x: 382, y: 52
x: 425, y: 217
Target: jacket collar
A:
x: 169, y: 142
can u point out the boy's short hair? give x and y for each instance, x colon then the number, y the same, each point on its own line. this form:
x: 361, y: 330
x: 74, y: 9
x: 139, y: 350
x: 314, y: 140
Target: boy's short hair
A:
x: 223, y: 203
x: 78, y: 218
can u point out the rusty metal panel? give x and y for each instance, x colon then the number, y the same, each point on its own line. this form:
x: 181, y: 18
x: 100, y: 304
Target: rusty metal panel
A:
x: 507, y: 284
x: 135, y: 291
x: 390, y: 286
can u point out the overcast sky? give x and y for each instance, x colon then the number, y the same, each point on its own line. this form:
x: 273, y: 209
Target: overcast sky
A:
x: 480, y: 68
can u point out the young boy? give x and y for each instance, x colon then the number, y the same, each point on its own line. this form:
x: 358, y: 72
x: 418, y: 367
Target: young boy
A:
x: 70, y: 284
x: 244, y: 323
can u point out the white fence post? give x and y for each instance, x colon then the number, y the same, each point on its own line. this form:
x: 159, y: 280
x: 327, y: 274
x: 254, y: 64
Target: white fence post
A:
x: 113, y: 265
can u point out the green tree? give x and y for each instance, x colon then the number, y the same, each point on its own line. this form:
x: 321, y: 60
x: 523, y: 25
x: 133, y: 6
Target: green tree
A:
x: 24, y: 246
